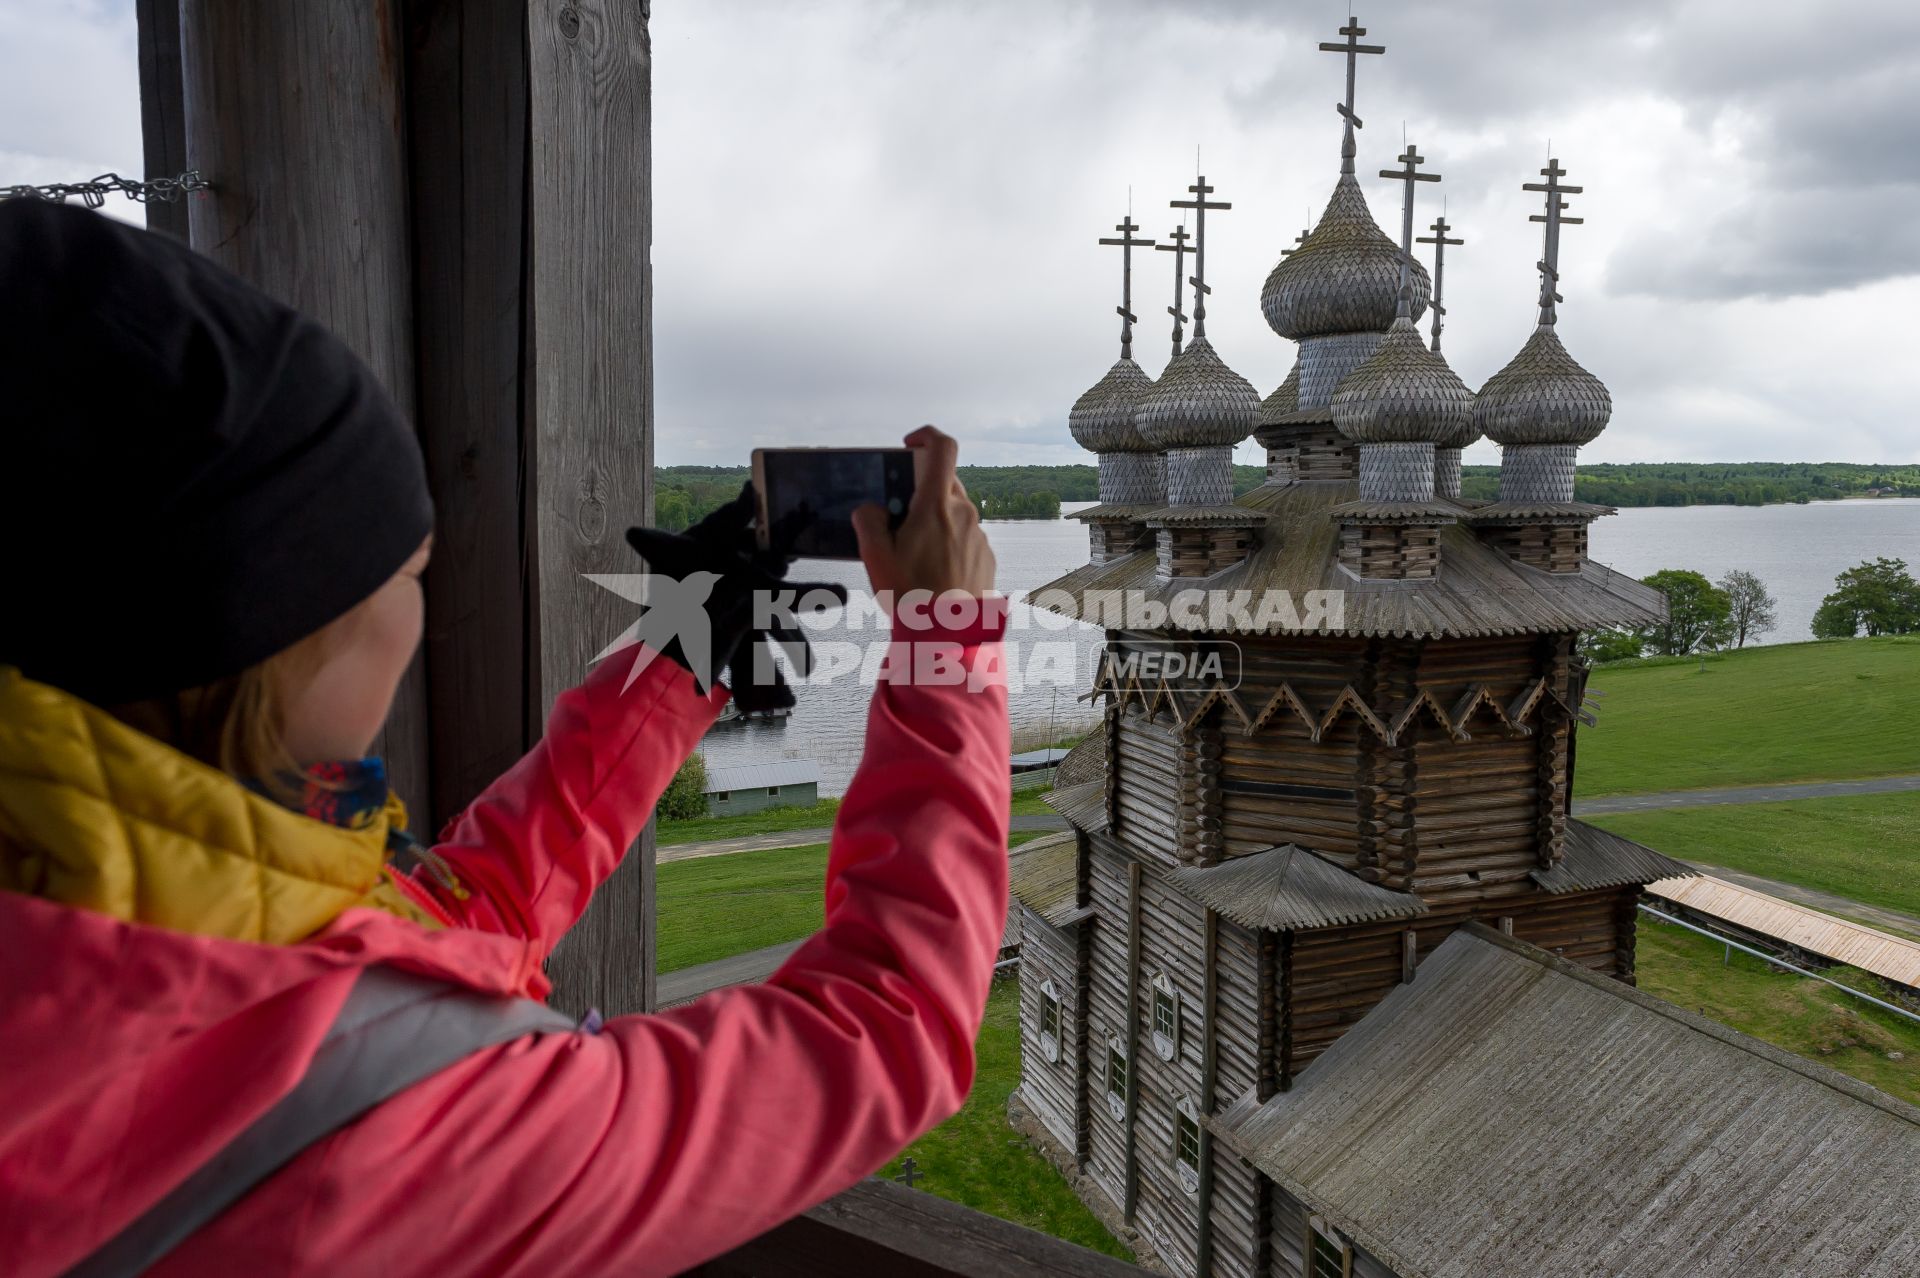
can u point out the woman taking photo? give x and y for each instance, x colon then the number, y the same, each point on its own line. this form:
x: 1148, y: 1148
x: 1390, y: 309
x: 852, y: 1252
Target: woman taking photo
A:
x: 212, y: 919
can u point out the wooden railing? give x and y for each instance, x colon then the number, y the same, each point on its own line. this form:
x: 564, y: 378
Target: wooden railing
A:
x: 882, y: 1228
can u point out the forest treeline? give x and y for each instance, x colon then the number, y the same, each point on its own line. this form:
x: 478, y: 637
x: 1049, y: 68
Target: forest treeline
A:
x: 683, y: 494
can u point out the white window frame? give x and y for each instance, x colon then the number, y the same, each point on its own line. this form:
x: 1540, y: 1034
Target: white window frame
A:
x: 1186, y: 1113
x: 1050, y: 1042
x: 1165, y: 1046
x: 1117, y: 1100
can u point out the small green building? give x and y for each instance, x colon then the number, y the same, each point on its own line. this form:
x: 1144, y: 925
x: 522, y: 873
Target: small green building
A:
x: 754, y: 787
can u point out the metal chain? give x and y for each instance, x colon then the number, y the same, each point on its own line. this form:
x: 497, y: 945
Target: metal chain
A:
x: 94, y: 193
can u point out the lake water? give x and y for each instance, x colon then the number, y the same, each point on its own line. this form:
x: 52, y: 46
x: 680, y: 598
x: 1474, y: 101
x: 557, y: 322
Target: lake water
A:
x: 1795, y: 550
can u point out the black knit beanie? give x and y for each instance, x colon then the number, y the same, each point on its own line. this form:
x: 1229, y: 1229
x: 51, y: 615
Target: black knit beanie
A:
x: 193, y: 476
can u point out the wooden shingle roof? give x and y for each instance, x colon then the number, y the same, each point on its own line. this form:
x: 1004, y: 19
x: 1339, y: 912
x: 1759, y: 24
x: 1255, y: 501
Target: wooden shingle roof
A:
x: 1289, y: 887
x: 1084, y: 804
x: 1043, y: 875
x: 1478, y: 591
x: 1598, y: 858
x: 1508, y: 1112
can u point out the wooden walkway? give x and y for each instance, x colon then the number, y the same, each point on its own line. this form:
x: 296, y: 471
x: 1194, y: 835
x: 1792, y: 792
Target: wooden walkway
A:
x: 1890, y: 957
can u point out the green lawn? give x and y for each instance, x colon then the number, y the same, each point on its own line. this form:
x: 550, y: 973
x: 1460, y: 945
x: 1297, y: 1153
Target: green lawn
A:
x: 771, y: 821
x: 1865, y: 847
x: 1032, y: 802
x: 721, y: 905
x: 1790, y: 712
x: 975, y: 1159
x: 1794, y: 1012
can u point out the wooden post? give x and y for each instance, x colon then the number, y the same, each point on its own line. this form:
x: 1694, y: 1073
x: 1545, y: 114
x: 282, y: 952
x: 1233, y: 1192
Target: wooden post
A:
x: 1131, y: 1185
x: 293, y: 112
x: 1209, y: 1069
x: 590, y: 288
x: 461, y: 192
x: 163, y: 121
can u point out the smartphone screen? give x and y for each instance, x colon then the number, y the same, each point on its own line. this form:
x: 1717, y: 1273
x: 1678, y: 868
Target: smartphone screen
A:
x: 808, y: 495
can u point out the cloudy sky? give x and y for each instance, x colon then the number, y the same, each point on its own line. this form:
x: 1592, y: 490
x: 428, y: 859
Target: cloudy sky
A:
x: 873, y: 214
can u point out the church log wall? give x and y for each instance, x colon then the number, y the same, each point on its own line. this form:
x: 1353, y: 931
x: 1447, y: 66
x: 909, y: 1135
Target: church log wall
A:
x: 1048, y: 1086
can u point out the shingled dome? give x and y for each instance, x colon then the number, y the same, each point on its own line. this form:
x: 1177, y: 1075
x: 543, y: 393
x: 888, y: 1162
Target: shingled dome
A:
x: 1284, y: 401
x: 1404, y: 393
x: 1345, y: 278
x: 1542, y: 396
x: 1102, y: 419
x: 1198, y: 402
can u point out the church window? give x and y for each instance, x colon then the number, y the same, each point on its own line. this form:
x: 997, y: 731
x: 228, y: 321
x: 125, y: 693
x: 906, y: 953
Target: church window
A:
x: 1328, y: 1254
x: 1186, y: 1143
x: 1116, y: 1082
x: 1166, y: 1018
x: 1050, y: 1021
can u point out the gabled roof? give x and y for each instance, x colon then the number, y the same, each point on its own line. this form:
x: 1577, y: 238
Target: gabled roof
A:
x: 1083, y: 804
x: 1598, y: 858
x: 1508, y: 1112
x: 750, y: 776
x: 1479, y: 590
x: 1289, y: 887
x: 1043, y: 875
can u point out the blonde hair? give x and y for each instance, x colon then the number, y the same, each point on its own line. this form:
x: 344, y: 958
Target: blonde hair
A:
x: 238, y: 723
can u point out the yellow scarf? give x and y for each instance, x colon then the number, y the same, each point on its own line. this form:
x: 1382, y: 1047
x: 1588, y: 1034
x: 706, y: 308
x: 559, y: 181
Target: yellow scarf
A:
x: 98, y: 815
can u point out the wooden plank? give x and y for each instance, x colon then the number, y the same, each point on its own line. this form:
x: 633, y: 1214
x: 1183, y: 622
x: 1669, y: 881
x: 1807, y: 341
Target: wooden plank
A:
x: 294, y: 114
x: 879, y: 1227
x: 591, y: 438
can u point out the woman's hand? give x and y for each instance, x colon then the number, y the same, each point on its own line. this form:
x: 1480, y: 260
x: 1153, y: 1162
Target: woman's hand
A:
x: 938, y: 547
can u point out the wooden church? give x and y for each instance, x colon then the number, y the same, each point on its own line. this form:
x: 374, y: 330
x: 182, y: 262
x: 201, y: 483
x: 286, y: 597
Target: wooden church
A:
x: 1325, y: 980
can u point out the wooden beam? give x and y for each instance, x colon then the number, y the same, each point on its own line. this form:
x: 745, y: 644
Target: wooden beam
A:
x: 1132, y: 1171
x: 879, y: 1227
x: 590, y: 439
x: 1209, y: 1070
x: 466, y: 81
x: 293, y: 113
x: 163, y: 109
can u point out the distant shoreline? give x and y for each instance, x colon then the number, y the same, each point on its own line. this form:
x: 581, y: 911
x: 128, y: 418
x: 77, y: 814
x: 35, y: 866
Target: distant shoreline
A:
x: 684, y: 493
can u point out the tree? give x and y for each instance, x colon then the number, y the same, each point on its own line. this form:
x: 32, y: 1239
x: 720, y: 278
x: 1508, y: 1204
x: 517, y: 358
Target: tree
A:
x: 1880, y: 598
x: 686, y: 795
x: 1751, y: 606
x: 1697, y: 614
x: 1611, y: 645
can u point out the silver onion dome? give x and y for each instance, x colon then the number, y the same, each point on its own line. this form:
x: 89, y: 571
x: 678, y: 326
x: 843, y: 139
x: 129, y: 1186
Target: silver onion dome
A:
x: 1344, y: 278
x: 1542, y: 396
x: 1102, y: 418
x: 1403, y: 394
x: 1198, y: 402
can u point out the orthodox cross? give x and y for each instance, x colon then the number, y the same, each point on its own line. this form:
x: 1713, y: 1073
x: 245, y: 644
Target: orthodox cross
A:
x: 909, y: 1172
x: 1199, y: 204
x: 1410, y: 159
x: 1127, y: 244
x: 1439, y: 241
x: 1352, y: 48
x: 1550, y: 258
x: 1179, y: 250
x: 1298, y: 240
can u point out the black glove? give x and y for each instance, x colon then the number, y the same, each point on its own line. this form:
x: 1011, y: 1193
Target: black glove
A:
x: 723, y: 546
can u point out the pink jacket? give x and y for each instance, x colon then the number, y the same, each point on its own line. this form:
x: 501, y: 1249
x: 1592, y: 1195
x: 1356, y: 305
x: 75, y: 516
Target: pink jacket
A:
x: 129, y: 1053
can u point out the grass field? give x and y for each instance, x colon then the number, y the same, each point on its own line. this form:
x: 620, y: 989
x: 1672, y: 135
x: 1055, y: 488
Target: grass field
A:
x: 1865, y: 847
x: 771, y: 821
x: 1794, y: 1012
x: 1790, y: 712
x: 974, y: 1158
x: 722, y: 905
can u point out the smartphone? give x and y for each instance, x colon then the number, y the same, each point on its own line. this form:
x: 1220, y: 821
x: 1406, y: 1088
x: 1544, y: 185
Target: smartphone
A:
x: 807, y: 496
